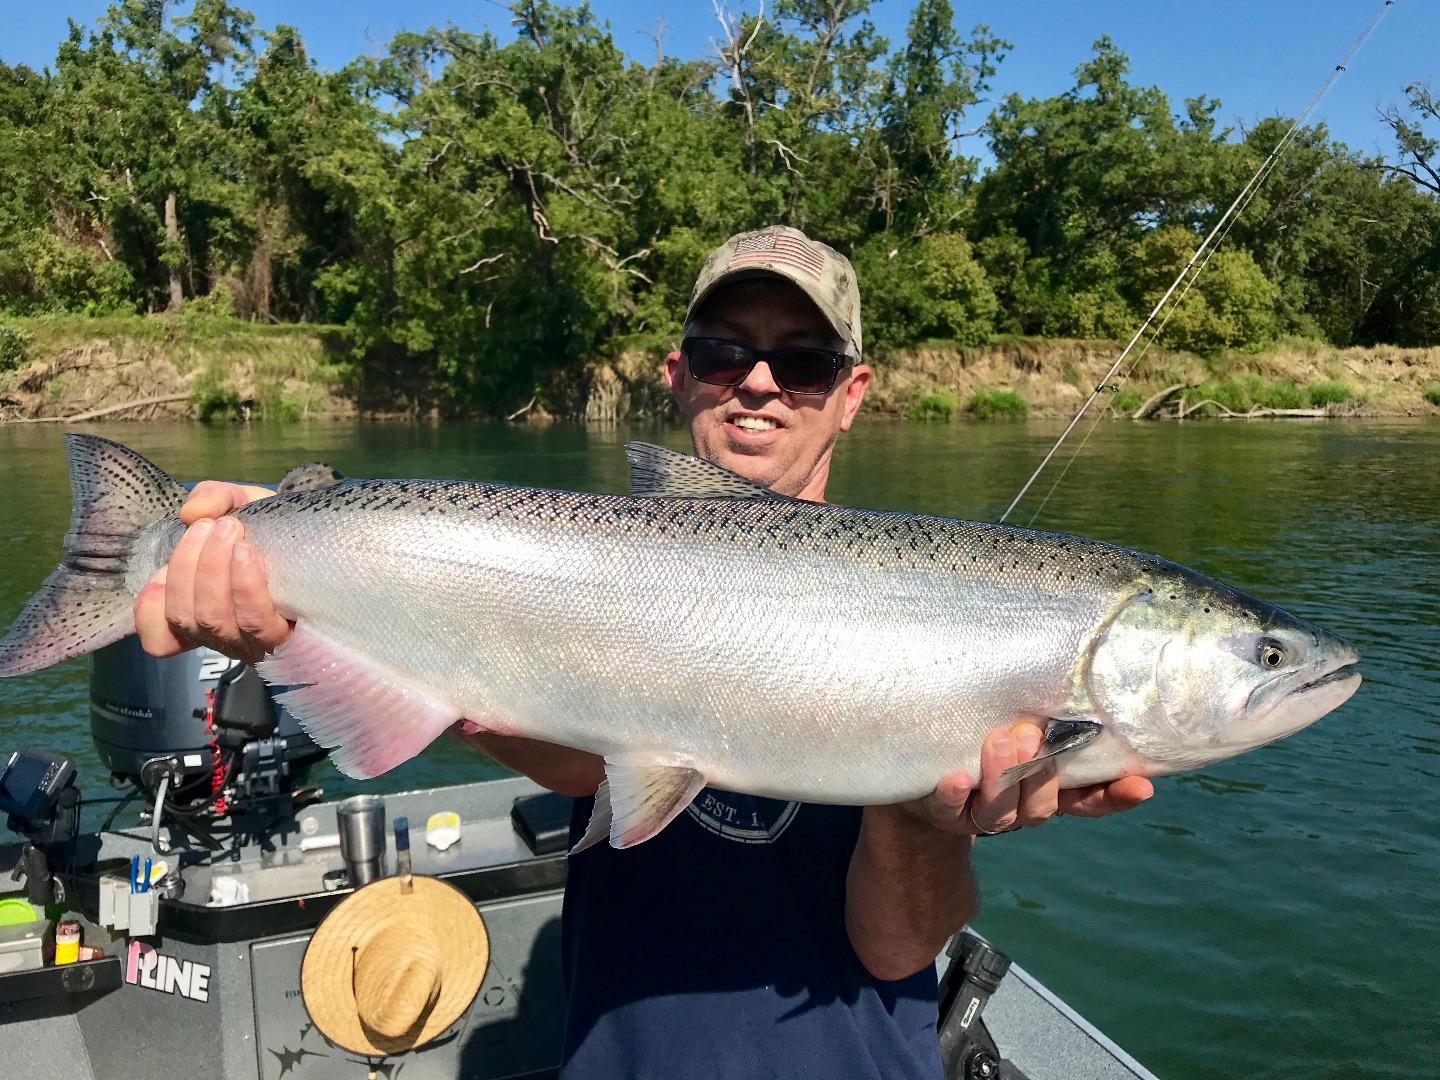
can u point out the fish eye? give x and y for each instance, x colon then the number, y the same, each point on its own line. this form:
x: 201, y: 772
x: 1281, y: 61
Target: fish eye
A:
x: 1271, y: 656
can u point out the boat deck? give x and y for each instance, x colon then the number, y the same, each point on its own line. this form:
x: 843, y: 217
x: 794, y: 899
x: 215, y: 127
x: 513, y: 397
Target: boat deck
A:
x: 215, y: 994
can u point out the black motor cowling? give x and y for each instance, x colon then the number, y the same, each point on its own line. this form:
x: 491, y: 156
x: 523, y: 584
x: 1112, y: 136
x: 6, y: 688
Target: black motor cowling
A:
x: 198, y: 709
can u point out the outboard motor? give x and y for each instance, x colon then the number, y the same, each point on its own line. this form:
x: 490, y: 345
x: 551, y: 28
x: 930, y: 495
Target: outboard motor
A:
x: 206, y: 722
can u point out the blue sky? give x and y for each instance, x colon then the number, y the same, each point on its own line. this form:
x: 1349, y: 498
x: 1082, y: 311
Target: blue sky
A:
x: 1258, y: 57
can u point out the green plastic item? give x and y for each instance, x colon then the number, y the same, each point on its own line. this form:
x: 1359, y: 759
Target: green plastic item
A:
x: 14, y: 911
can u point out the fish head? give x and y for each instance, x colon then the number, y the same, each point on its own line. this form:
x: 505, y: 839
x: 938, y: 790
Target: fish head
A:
x: 1189, y: 671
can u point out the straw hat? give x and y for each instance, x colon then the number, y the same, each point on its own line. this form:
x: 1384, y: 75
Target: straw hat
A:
x: 389, y: 970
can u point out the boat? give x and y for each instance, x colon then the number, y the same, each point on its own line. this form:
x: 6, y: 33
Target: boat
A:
x: 195, y: 901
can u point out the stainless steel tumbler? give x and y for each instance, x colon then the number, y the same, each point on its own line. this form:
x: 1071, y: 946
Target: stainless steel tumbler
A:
x: 360, y: 822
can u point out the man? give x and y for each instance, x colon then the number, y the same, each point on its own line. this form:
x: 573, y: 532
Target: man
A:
x: 751, y: 937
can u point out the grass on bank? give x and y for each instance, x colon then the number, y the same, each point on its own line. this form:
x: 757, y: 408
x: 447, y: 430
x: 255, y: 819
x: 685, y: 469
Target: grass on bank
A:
x: 941, y: 406
x: 278, y: 372
x: 1245, y: 391
x: 998, y: 405
x: 983, y: 405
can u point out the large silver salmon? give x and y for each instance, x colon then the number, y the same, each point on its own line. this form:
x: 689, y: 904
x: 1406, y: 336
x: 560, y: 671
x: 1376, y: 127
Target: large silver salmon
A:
x: 704, y: 630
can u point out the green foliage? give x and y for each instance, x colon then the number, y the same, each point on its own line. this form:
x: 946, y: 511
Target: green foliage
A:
x: 1230, y: 306
x: 1328, y: 392
x: 1127, y: 401
x: 1431, y: 392
x: 505, y: 212
x: 998, y: 405
x: 941, y: 406
x: 965, y: 305
x: 42, y: 273
x: 214, y: 399
x: 218, y: 303
x: 14, y: 347
x: 1244, y: 391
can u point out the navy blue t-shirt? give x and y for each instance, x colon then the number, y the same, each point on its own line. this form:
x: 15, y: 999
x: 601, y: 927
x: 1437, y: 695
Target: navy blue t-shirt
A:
x: 718, y: 949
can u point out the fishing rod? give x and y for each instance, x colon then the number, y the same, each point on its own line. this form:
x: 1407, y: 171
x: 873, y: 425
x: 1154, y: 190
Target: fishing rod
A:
x: 1186, y: 278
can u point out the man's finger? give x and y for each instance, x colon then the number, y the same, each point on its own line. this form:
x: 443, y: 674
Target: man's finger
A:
x: 156, y: 637
x: 209, y: 499
x: 215, y: 499
x: 1039, y: 792
x: 993, y: 810
x: 214, y: 612
x: 1097, y: 800
x: 180, y: 582
x: 945, y: 806
x: 255, y: 615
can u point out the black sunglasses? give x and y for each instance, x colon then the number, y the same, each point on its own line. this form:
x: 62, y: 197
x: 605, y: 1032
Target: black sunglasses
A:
x: 798, y: 370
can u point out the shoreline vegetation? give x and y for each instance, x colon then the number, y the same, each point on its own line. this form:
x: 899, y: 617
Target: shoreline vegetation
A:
x: 193, y: 367
x: 197, y: 219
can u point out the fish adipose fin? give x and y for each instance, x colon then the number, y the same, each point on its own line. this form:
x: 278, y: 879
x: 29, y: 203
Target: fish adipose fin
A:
x: 1061, y: 736
x: 370, y: 720
x: 84, y: 605
x: 643, y: 794
x: 657, y: 472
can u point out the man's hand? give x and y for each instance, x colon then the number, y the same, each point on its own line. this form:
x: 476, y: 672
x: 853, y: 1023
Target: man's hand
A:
x: 212, y: 592
x: 957, y: 805
x: 910, y: 885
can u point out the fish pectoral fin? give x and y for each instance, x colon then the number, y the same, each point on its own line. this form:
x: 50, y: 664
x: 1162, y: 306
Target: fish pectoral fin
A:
x: 599, y: 826
x: 370, y: 719
x: 644, y: 793
x: 1061, y: 736
x: 657, y: 472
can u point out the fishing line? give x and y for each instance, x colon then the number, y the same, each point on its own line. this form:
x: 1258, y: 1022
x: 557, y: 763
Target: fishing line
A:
x: 1095, y: 421
x: 1196, y: 263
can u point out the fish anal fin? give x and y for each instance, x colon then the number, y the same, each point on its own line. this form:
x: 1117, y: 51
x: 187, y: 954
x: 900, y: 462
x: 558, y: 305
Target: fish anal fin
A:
x: 599, y: 826
x: 1061, y: 736
x: 657, y: 472
x: 645, y: 793
x: 369, y: 718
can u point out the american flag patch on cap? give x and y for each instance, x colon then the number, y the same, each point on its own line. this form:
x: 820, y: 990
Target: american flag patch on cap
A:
x: 777, y: 248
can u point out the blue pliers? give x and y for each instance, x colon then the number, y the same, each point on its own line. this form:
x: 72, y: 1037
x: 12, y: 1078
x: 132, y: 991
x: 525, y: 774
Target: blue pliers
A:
x: 139, y: 884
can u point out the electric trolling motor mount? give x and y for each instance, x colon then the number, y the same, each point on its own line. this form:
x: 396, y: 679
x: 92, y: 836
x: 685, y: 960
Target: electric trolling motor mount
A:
x: 41, y: 802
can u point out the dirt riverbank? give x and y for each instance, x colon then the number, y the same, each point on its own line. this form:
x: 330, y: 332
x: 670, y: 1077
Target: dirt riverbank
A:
x: 223, y: 369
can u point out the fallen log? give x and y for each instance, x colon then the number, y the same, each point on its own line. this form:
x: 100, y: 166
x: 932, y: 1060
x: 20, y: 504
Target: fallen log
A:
x: 1256, y: 411
x: 95, y: 414
x: 1154, y: 401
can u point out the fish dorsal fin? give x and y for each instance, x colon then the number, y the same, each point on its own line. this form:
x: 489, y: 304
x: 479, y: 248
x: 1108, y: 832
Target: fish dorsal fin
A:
x: 657, y: 472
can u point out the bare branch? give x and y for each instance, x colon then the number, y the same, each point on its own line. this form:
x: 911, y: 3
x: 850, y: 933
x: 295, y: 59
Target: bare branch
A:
x: 787, y: 156
x: 733, y: 56
x: 658, y: 36
x: 484, y: 262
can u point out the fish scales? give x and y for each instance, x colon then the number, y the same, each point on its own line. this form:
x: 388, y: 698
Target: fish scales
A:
x: 607, y: 622
x: 710, y: 632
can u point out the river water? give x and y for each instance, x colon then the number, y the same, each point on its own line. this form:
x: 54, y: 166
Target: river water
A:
x: 1272, y: 916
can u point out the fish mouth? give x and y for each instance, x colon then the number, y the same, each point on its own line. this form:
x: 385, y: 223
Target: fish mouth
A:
x: 1340, y: 674
x: 1302, y: 705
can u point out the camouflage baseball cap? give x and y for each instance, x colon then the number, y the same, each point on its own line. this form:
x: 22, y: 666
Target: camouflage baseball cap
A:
x: 821, y: 272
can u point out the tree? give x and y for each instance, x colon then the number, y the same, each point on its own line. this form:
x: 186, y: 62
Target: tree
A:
x: 126, y: 96
x: 1419, y: 151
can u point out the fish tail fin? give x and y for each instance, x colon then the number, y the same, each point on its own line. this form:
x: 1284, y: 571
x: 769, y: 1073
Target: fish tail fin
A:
x: 115, y: 495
